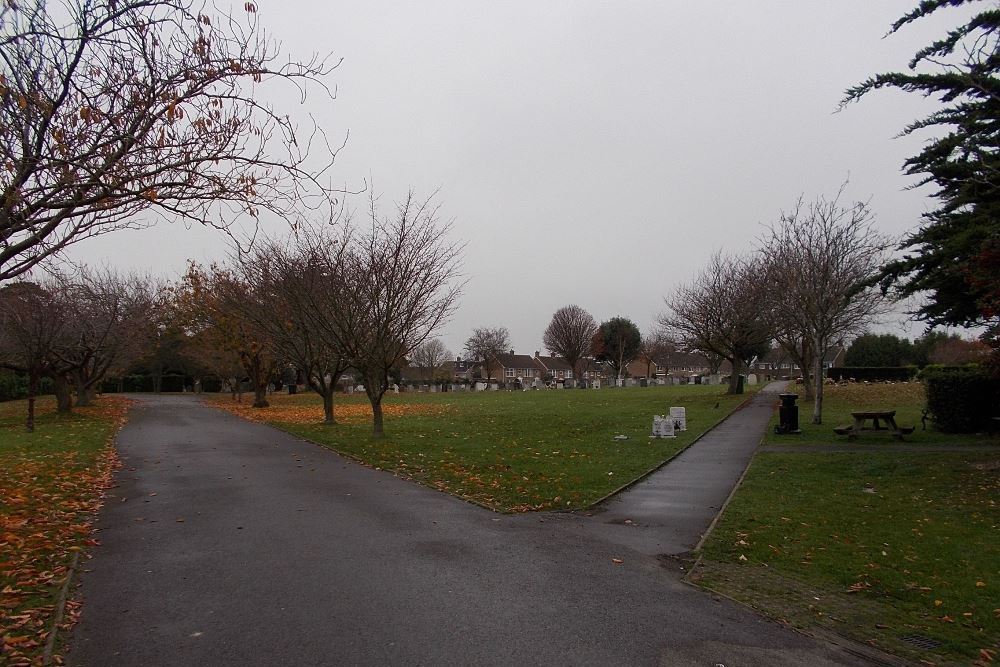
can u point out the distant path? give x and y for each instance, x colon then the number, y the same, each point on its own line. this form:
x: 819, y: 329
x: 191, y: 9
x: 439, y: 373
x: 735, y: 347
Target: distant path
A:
x: 669, y: 511
x: 231, y: 543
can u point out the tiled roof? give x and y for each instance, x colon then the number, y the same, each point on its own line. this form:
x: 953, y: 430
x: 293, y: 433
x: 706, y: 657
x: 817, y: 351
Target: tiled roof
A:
x: 555, y: 363
x: 516, y: 361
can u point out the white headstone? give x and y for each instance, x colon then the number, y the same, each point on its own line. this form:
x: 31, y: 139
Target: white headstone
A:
x: 663, y: 427
x: 679, y: 418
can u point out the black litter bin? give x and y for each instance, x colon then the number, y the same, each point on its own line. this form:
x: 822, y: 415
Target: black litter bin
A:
x: 788, y: 415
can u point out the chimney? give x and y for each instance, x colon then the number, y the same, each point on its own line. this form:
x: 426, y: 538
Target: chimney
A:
x: 512, y: 353
x: 537, y: 354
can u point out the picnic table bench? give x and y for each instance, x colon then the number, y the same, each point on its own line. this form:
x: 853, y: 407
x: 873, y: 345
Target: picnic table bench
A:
x: 888, y: 417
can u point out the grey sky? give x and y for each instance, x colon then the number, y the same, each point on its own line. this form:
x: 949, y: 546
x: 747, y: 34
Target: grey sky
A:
x: 595, y: 152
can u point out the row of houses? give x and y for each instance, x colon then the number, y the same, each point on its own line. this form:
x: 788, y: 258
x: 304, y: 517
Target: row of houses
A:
x: 513, y: 367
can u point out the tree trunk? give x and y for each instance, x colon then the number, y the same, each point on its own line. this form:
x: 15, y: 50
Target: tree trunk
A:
x: 64, y: 398
x: 376, y: 385
x: 378, y: 430
x: 85, y: 397
x: 29, y: 425
x: 328, y: 417
x: 260, y: 396
x: 818, y: 399
x: 84, y: 392
x: 734, y: 378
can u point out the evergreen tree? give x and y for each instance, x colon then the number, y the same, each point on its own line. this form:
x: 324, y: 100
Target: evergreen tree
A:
x: 951, y: 256
x: 617, y: 342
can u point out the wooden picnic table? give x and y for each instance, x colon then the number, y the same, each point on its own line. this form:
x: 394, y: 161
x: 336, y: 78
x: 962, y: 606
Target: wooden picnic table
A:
x: 888, y: 417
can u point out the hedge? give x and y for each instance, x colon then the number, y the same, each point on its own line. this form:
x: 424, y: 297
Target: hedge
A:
x: 14, y: 386
x: 962, y: 400
x: 872, y: 373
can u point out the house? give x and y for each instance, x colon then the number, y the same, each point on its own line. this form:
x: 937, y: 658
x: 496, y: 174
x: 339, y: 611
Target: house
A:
x: 596, y: 370
x: 686, y: 364
x: 777, y: 364
x: 512, y: 367
x: 460, y: 370
x: 653, y: 368
x: 555, y: 367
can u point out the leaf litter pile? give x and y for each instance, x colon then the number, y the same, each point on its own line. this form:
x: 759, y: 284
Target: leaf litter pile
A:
x: 52, y: 483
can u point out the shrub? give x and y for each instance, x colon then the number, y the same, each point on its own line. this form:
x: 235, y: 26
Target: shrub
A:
x: 872, y: 373
x: 15, y: 385
x: 962, y: 400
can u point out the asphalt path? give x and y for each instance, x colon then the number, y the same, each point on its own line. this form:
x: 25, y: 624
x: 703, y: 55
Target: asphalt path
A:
x: 231, y: 543
x: 669, y: 511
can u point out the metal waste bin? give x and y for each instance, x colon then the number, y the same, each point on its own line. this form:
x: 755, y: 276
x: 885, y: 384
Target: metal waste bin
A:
x: 788, y: 415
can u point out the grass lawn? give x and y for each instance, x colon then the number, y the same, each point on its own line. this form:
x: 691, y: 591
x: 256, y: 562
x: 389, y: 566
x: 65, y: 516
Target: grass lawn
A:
x: 510, y: 451
x: 51, y: 482
x: 872, y: 545
x: 839, y: 401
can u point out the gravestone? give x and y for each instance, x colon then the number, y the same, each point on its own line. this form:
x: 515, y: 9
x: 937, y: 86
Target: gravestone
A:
x: 679, y: 418
x: 752, y: 378
x: 663, y: 427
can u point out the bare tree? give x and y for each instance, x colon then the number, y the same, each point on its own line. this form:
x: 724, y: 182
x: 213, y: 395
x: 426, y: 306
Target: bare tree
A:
x: 114, y: 108
x: 719, y: 313
x: 569, y: 335
x: 405, y: 286
x: 429, y: 356
x: 485, y: 345
x: 110, y: 322
x: 655, y: 348
x: 820, y: 260
x: 33, y: 319
x: 292, y: 295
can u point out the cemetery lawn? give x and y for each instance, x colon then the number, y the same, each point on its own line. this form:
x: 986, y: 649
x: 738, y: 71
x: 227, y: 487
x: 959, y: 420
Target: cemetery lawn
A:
x: 509, y: 451
x: 51, y: 483
x: 907, y: 399
x: 872, y: 545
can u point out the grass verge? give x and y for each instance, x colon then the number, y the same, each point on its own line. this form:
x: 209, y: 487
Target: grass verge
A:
x: 873, y: 546
x: 51, y: 485
x: 906, y: 398
x: 510, y: 451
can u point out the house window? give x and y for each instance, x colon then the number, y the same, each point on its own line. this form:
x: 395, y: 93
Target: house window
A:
x: 510, y: 372
x: 569, y: 374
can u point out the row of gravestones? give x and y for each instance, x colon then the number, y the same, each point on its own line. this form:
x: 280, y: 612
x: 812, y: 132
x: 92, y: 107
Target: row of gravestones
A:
x: 664, y: 426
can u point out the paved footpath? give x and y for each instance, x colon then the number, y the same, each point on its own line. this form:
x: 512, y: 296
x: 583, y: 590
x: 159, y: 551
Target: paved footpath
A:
x: 670, y: 510
x: 231, y: 543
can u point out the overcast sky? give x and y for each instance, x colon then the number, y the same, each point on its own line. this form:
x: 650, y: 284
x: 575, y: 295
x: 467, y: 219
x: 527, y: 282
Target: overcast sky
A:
x: 594, y: 152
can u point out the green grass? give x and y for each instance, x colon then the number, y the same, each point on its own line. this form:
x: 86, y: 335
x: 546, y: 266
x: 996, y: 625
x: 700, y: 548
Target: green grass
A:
x: 50, y: 486
x: 907, y: 399
x: 873, y: 546
x: 511, y: 451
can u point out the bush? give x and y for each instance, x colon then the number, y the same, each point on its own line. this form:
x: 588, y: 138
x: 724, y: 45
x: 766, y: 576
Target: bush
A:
x: 962, y: 400
x: 211, y: 384
x: 14, y: 386
x: 872, y: 373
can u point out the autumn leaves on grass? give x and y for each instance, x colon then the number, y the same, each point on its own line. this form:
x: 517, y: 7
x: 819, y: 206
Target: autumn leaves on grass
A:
x: 48, y: 499
x: 287, y: 410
